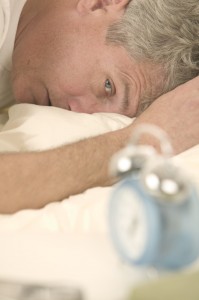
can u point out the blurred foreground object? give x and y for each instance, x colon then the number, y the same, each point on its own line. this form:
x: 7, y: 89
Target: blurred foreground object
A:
x: 181, y: 286
x: 25, y: 291
x: 154, y: 211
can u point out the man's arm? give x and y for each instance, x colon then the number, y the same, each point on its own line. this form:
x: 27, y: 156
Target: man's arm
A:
x: 177, y: 112
x: 31, y: 180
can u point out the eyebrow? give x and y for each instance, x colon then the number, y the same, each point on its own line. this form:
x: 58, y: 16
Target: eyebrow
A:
x: 125, y: 99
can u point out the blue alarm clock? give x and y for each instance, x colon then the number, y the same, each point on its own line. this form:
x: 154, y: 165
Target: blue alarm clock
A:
x: 154, y: 210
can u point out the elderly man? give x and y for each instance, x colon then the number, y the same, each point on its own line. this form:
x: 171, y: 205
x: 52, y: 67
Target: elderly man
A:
x: 90, y: 56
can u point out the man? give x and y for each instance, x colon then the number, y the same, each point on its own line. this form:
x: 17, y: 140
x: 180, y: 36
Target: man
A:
x: 64, y: 57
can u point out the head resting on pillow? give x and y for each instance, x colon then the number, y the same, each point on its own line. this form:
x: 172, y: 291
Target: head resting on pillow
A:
x: 104, y: 56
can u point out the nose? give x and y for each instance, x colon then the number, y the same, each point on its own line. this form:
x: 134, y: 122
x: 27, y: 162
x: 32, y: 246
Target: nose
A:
x: 86, y: 104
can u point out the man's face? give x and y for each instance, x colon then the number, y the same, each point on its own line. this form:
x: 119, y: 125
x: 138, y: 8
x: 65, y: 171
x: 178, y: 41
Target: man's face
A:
x: 61, y: 58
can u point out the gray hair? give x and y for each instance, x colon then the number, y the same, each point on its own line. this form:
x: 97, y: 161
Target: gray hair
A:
x: 163, y: 32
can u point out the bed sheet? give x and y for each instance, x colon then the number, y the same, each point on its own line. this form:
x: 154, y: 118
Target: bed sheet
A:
x: 30, y: 127
x: 67, y: 241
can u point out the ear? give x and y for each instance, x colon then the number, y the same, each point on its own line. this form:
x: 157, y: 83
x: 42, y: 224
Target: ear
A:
x: 86, y: 6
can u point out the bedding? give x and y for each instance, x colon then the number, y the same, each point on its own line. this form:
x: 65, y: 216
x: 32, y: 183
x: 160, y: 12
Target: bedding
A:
x: 30, y: 127
x: 64, y: 242
x: 33, y: 127
x: 48, y: 238
x: 9, y: 10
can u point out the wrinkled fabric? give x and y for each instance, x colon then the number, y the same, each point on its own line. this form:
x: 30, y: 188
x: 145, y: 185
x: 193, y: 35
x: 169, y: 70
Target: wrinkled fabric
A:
x: 10, y: 11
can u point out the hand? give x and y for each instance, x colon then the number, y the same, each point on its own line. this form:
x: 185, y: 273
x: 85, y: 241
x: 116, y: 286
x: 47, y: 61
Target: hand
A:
x: 177, y: 112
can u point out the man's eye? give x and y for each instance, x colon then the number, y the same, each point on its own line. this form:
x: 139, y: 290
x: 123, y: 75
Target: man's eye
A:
x: 109, y: 88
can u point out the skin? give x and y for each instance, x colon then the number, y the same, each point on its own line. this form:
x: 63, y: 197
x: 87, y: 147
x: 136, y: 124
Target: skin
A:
x: 37, y: 184
x: 75, y: 69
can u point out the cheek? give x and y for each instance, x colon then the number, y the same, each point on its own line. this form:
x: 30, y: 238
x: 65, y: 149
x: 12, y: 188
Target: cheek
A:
x: 73, y: 75
x: 68, y: 82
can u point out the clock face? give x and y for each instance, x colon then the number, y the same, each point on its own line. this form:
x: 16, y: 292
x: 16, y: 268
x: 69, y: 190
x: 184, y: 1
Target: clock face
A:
x: 147, y: 233
x: 129, y: 223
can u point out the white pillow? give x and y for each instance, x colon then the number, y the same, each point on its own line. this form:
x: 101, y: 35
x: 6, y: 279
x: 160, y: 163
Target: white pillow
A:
x: 33, y: 127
